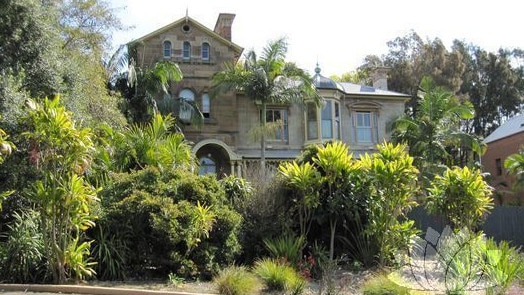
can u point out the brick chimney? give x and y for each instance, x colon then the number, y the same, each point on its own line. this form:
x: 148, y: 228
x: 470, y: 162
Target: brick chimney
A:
x: 224, y: 24
x: 379, y: 76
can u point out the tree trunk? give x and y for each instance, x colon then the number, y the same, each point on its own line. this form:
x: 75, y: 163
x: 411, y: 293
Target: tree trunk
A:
x: 333, y: 226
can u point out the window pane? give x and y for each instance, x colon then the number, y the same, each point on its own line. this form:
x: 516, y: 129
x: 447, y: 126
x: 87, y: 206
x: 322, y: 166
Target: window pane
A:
x: 187, y: 94
x: 312, y: 121
x: 206, y: 105
x: 207, y: 165
x: 363, y: 135
x: 280, y: 116
x: 205, y: 51
x: 327, y: 120
x: 167, y: 49
x: 187, y: 50
x: 337, y: 121
x: 364, y: 128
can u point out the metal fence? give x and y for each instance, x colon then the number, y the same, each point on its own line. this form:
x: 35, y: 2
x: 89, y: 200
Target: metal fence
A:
x: 503, y: 223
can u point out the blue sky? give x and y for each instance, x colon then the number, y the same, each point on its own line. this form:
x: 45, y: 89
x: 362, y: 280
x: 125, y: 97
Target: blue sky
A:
x: 337, y: 34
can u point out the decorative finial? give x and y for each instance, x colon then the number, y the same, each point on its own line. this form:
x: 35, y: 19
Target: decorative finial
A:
x: 317, y: 69
x: 187, y: 14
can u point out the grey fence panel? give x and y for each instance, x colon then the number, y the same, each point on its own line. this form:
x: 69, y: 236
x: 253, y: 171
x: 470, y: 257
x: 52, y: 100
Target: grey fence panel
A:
x: 503, y: 223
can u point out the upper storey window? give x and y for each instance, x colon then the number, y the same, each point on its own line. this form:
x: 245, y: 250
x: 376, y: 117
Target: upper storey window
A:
x: 205, y: 51
x: 365, y: 126
x: 186, y: 51
x: 167, y: 49
x: 328, y: 127
x: 330, y: 115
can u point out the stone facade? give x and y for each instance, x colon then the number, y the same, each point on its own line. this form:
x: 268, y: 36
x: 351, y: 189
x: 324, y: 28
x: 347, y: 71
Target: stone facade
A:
x: 355, y: 114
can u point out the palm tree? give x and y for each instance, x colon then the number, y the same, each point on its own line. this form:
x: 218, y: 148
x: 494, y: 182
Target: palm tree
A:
x: 515, y: 165
x: 266, y: 79
x: 434, y: 133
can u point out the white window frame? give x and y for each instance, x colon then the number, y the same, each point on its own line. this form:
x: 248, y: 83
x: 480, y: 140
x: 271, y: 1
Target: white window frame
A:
x: 371, y: 129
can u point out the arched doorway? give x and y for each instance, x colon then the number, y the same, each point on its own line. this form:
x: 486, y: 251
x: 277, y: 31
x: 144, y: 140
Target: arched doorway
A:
x: 215, y: 157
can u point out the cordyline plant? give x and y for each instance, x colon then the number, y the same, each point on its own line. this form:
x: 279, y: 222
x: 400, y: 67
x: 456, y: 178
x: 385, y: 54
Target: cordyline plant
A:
x: 61, y: 152
x: 461, y: 196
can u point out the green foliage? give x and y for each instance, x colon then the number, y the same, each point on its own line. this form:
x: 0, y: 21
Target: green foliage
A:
x: 434, y: 132
x: 304, y: 180
x: 383, y: 285
x: 61, y: 153
x: 268, y: 79
x: 502, y: 264
x: 236, y: 280
x: 109, y: 250
x: 279, y: 276
x: 180, y: 222
x: 266, y: 214
x: 238, y: 191
x: 287, y: 247
x: 461, y: 195
x: 174, y: 280
x: 22, y: 253
x: 470, y: 261
x: 515, y: 165
x: 393, y: 187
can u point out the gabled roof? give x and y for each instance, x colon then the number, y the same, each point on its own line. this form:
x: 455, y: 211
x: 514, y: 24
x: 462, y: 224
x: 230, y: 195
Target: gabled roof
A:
x: 510, y: 127
x: 188, y: 19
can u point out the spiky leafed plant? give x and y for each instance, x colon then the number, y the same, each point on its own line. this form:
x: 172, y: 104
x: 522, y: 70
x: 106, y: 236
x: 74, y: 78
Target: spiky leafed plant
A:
x: 266, y: 79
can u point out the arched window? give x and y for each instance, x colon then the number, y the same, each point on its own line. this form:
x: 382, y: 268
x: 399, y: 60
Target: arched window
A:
x: 188, y: 94
x: 207, y: 166
x: 205, y: 51
x: 167, y: 49
x: 186, y: 53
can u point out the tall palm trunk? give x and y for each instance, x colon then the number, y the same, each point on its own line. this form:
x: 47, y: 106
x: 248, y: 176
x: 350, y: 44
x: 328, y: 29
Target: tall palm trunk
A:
x: 263, y: 140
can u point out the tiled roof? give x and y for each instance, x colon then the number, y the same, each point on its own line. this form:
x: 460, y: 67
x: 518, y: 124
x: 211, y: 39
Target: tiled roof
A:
x: 512, y: 126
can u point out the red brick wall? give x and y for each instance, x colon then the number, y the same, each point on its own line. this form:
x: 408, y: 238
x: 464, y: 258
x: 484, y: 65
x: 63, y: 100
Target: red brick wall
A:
x: 503, y: 183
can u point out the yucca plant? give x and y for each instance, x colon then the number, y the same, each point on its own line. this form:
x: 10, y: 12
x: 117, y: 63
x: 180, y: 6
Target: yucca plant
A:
x: 286, y: 247
x: 502, y: 265
x: 236, y: 280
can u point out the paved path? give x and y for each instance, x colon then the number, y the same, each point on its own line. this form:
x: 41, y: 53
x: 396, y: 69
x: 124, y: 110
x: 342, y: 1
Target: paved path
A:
x: 19, y: 289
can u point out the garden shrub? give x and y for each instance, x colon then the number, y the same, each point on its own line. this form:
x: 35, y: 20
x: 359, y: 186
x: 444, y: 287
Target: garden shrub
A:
x: 236, y: 280
x: 22, y: 254
x: 265, y: 215
x: 158, y: 216
x: 279, y: 276
x: 461, y: 196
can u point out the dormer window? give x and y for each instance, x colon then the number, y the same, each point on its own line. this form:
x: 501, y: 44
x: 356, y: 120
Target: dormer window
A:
x: 186, y: 52
x: 167, y: 49
x: 205, y: 51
